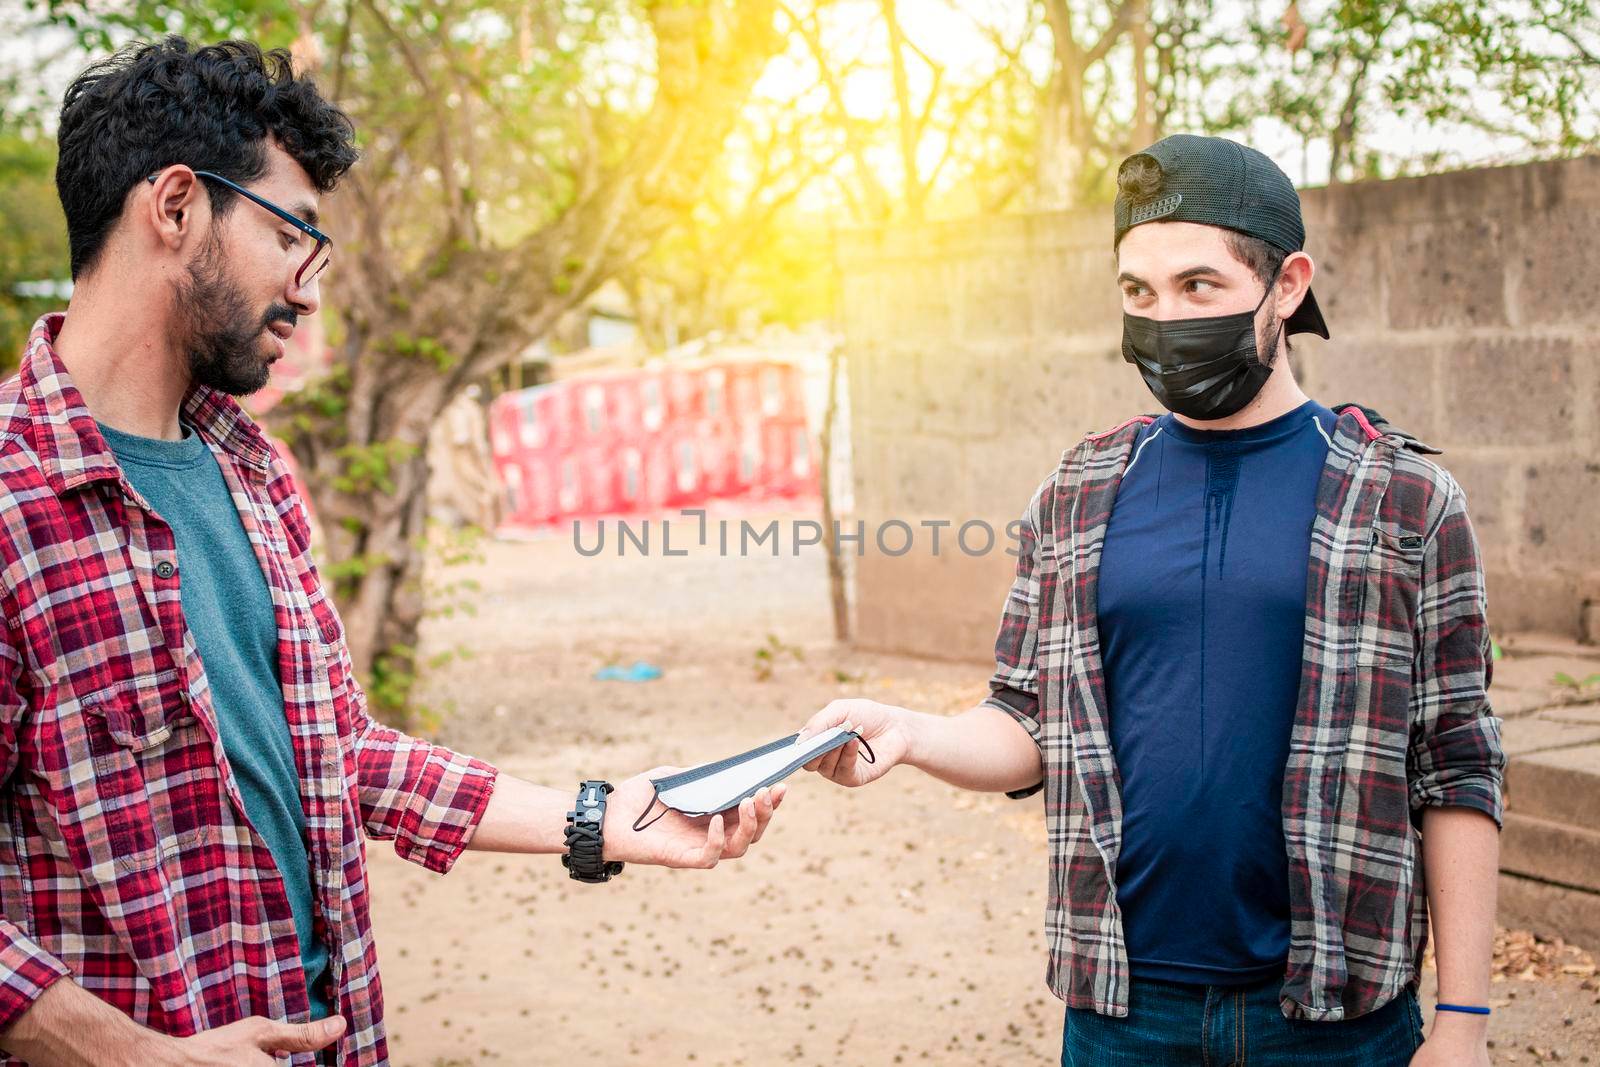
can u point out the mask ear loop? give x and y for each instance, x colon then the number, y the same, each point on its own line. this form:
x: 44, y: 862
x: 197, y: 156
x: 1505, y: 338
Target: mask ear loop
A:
x: 664, y: 810
x: 870, y: 756
x: 1270, y: 286
x: 1282, y: 323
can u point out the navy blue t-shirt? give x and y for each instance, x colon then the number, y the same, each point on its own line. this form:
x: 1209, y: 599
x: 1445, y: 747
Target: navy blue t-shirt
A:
x: 1201, y: 611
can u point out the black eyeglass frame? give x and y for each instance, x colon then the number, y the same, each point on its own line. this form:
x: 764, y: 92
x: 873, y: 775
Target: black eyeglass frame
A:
x: 323, y: 241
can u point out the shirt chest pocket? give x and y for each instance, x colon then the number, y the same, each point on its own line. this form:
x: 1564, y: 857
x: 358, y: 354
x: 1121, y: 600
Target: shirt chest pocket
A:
x: 1390, y: 586
x: 132, y: 775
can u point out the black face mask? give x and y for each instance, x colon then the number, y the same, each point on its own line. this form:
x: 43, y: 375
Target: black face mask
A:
x: 1202, y: 368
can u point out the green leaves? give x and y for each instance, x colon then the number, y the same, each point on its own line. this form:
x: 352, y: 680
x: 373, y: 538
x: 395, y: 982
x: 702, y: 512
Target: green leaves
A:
x: 370, y: 468
x: 424, y: 348
x: 765, y: 658
x: 1522, y: 72
x: 1567, y: 681
x: 33, y: 236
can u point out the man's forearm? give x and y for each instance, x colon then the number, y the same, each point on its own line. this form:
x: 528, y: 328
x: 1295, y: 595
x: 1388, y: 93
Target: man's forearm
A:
x: 523, y: 817
x: 68, y: 1026
x: 1461, y: 859
x: 983, y: 749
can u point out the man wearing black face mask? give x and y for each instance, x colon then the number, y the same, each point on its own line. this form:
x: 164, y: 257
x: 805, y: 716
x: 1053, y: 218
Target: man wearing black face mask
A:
x: 1246, y: 659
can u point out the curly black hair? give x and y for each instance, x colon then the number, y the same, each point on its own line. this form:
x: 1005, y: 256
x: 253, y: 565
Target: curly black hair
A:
x: 151, y: 105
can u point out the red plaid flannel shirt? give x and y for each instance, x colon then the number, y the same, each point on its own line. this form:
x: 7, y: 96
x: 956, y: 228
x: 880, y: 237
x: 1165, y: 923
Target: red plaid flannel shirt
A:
x: 1393, y: 715
x: 126, y: 859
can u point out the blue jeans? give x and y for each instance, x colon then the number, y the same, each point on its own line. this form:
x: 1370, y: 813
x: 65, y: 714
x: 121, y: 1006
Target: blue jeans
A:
x: 1171, y: 1024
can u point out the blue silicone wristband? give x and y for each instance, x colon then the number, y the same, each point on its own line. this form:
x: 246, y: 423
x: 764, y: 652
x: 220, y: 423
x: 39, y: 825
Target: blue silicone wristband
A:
x: 1462, y: 1007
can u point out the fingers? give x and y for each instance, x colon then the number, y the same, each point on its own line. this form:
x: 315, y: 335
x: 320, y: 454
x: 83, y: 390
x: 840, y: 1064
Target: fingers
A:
x: 744, y: 833
x: 766, y: 803
x: 716, y: 841
x: 272, y: 1036
x: 833, y: 715
x: 833, y: 760
x: 755, y: 814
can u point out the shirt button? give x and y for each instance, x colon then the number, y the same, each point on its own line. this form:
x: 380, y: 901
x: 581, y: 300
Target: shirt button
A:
x: 164, y: 569
x: 330, y: 992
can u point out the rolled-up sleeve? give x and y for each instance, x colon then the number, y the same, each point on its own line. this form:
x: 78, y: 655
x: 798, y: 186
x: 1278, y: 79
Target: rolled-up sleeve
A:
x: 424, y: 796
x: 1014, y: 685
x: 26, y: 969
x: 1456, y: 758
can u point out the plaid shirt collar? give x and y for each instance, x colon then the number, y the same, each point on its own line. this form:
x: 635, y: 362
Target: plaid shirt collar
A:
x: 71, y: 450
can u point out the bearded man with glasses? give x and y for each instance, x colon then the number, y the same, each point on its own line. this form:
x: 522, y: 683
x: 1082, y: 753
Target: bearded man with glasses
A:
x: 187, y: 763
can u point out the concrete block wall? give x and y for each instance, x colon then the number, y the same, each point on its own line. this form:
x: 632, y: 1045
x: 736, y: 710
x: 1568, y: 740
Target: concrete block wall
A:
x: 1463, y: 306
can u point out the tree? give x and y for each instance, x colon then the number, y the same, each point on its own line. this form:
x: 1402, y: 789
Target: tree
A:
x: 931, y: 144
x: 743, y: 250
x: 1537, y: 63
x: 515, y: 157
x: 1519, y: 75
x: 944, y: 136
x: 33, y: 239
x: 1124, y: 73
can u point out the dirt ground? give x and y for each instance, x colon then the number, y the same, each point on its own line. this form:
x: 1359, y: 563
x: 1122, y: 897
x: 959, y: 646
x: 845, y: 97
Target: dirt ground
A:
x: 896, y: 924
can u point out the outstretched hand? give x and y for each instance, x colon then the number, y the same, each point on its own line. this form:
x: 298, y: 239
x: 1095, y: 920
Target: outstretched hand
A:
x: 880, y: 725
x: 676, y: 840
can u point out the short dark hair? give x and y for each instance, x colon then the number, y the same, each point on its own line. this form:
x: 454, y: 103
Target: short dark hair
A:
x: 1139, y: 179
x: 152, y: 105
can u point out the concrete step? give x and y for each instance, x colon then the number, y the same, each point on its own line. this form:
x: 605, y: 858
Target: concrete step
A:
x: 1562, y: 785
x: 1551, y: 851
x: 1549, y: 911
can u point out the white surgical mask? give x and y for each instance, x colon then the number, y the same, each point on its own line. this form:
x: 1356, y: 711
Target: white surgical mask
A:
x: 713, y: 787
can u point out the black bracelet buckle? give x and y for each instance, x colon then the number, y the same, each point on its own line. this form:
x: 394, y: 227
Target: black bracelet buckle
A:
x: 585, y: 836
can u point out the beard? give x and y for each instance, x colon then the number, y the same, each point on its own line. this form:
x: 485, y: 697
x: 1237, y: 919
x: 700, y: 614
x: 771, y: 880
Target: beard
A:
x: 1268, y: 347
x: 216, y: 329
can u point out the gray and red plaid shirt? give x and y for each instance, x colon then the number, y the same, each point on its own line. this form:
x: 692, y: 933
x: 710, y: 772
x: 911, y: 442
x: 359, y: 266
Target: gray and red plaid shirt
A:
x: 1393, y: 715
x: 126, y: 859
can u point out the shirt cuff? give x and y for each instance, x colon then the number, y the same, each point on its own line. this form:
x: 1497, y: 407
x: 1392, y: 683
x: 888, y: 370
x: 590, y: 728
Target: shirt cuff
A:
x: 1002, y: 700
x: 26, y: 971
x: 1476, y: 790
x: 438, y: 825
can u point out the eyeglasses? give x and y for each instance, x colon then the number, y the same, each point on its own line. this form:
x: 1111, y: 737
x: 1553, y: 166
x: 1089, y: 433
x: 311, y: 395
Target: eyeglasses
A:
x: 322, y: 247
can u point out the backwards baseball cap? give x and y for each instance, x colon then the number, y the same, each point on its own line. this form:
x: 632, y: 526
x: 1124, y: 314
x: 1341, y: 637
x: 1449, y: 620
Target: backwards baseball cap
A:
x: 1217, y: 182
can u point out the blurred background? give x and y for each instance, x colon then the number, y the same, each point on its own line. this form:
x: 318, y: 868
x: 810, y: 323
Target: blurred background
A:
x: 850, y: 260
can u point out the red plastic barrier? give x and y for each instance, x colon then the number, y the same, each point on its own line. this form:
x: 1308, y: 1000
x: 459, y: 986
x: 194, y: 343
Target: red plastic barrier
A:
x: 650, y: 440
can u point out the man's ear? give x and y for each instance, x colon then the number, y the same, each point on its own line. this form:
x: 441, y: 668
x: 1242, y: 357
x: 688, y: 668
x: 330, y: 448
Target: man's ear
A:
x: 174, y: 206
x: 1294, y: 281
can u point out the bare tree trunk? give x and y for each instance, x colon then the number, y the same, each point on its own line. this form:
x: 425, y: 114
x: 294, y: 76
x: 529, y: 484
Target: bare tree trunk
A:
x: 1342, y: 141
x: 836, y: 578
x: 914, y: 190
x: 1144, y: 120
x: 1067, y: 134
